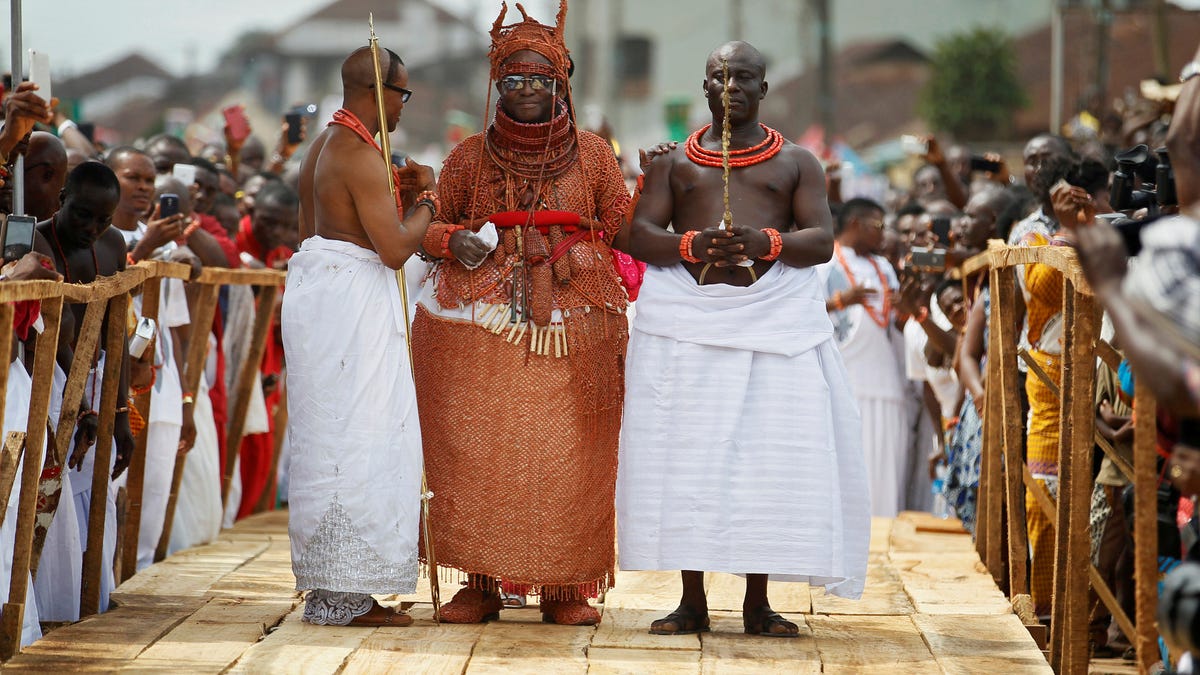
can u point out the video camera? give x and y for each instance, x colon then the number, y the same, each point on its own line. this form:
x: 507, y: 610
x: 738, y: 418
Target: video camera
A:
x: 1143, y: 180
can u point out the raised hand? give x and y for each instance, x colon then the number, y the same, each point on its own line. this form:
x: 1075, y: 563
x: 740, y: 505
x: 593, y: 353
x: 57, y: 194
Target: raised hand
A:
x: 1073, y: 205
x: 22, y: 110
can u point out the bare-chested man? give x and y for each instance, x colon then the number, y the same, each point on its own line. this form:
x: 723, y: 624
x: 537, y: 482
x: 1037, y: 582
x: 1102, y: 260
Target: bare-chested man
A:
x: 740, y: 448
x: 84, y: 247
x: 356, y: 470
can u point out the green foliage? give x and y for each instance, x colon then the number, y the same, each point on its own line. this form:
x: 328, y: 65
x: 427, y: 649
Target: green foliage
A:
x: 973, y: 90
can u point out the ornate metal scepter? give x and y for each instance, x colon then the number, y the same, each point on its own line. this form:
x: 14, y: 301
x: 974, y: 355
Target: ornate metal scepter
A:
x: 385, y: 146
x: 727, y: 216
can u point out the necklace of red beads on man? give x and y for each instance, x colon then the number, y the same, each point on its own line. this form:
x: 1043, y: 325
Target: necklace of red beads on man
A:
x: 61, y: 254
x: 768, y: 148
x: 881, y: 321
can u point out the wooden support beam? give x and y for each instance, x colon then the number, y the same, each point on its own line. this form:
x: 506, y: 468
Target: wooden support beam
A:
x: 991, y: 492
x: 1059, y: 659
x: 136, y: 480
x: 114, y: 348
x: 1081, y: 331
x: 1003, y: 333
x: 246, y: 379
x: 35, y: 436
x: 202, y: 319
x: 1145, y: 523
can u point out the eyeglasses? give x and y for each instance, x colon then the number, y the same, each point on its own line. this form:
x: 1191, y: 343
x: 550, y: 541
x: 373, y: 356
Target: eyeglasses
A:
x: 876, y: 224
x: 405, y: 94
x: 535, y: 82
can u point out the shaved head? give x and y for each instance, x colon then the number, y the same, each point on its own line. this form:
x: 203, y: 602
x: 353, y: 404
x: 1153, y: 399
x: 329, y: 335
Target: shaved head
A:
x: 736, y: 50
x: 359, y: 73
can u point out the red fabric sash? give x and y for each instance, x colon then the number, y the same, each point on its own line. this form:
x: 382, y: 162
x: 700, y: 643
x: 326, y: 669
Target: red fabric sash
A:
x: 349, y: 120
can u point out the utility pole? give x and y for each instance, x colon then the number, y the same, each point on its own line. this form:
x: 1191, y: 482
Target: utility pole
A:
x: 825, y: 100
x: 1104, y: 20
x: 1162, y: 51
x: 1056, y: 66
x: 18, y: 69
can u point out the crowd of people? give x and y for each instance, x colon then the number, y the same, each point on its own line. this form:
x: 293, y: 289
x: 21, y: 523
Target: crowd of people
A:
x: 796, y: 362
x: 914, y: 333
x: 98, y: 211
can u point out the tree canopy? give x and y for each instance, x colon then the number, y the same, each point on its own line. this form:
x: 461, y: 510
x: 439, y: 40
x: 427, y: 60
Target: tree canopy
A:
x: 973, y: 90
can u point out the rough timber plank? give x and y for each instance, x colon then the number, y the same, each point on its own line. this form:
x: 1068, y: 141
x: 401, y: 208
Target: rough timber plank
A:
x: 727, y: 649
x: 519, y: 647
x: 981, y: 644
x: 630, y: 629
x: 952, y: 587
x: 615, y: 661
x: 726, y: 591
x: 645, y: 590
x: 225, y: 627
x: 296, y: 647
x: 883, y: 596
x: 189, y: 573
x: 436, y: 650
x: 881, y: 535
x: 856, y: 644
x: 109, y: 640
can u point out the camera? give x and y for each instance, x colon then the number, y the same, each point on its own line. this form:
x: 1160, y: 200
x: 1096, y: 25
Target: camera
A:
x: 1143, y: 180
x: 925, y: 259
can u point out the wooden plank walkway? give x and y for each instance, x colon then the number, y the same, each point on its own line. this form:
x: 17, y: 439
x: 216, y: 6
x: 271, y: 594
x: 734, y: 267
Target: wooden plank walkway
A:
x: 230, y: 606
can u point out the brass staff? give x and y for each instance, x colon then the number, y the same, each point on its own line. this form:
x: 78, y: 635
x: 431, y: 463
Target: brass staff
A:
x: 385, y: 146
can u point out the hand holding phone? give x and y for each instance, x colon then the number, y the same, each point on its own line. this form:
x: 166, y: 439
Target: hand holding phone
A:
x: 18, y: 236
x: 168, y: 203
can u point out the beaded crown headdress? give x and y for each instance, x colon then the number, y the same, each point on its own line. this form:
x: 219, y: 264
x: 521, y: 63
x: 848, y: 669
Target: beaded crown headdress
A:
x: 529, y: 34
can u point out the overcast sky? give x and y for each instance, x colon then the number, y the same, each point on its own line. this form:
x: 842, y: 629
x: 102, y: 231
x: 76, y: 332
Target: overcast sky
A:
x: 82, y: 35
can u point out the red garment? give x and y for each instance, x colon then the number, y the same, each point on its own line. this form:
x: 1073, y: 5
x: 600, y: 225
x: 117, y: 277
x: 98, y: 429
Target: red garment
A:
x: 256, y: 449
x: 246, y: 243
x: 211, y: 225
x: 25, y: 314
x: 217, y: 393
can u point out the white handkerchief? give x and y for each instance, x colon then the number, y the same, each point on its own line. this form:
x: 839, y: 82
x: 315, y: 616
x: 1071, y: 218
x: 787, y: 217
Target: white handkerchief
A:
x: 488, y: 235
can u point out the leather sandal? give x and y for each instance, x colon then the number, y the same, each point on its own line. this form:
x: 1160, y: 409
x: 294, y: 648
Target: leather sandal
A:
x: 382, y: 617
x: 471, y: 605
x: 569, y: 613
x: 685, y: 622
x: 769, y: 624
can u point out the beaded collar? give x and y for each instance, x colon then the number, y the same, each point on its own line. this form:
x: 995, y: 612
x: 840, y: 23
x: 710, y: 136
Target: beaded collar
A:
x: 532, y: 151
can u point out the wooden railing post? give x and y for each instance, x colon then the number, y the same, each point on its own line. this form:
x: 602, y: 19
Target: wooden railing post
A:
x: 114, y: 348
x: 1004, y: 336
x: 987, y: 500
x: 202, y: 321
x: 136, y: 481
x: 1081, y: 331
x: 35, y: 437
x: 1145, y: 523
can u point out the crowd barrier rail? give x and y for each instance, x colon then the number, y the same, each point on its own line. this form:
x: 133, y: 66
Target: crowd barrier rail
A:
x: 1001, y: 532
x: 45, y: 443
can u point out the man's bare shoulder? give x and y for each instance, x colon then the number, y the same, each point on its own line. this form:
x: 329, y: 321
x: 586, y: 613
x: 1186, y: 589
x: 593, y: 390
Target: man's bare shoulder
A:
x: 800, y: 156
